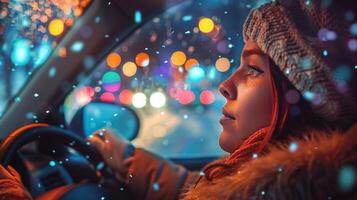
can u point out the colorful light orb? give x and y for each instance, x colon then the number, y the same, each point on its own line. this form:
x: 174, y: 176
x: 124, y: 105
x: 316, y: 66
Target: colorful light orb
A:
x: 196, y: 73
x: 207, y: 97
x: 142, y: 59
x: 126, y: 96
x: 178, y: 58
x: 107, y: 97
x: 111, y: 81
x: 56, y: 27
x: 137, y: 17
x: 157, y: 99
x: 206, y: 25
x: 129, y: 69
x: 42, y: 53
x: 185, y: 96
x: 84, y: 95
x: 77, y: 46
x: 190, y: 63
x: 139, y: 100
x: 21, y: 52
x: 223, y: 64
x: 113, y: 60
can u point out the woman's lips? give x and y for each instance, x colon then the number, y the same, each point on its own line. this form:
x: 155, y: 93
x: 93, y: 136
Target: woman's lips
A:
x: 226, y: 118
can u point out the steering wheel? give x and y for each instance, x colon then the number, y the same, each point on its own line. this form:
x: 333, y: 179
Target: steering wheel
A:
x: 37, y: 132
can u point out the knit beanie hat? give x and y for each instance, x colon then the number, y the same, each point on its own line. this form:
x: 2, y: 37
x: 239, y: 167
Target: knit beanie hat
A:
x: 313, y: 44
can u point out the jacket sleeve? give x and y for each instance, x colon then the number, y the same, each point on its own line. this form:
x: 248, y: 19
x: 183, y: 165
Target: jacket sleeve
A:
x: 152, y: 177
x: 13, y: 190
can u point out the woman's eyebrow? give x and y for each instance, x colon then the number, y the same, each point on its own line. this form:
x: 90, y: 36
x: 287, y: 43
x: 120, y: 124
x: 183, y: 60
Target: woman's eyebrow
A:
x: 250, y: 52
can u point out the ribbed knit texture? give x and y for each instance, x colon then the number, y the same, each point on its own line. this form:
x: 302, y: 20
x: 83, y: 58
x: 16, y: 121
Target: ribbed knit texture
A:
x: 288, y: 34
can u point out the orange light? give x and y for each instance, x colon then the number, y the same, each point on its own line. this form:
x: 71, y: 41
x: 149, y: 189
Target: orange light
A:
x: 129, y: 69
x: 190, y: 63
x: 142, y: 59
x: 113, y: 60
x: 62, y: 52
x: 178, y: 58
x: 223, y: 64
x: 125, y: 97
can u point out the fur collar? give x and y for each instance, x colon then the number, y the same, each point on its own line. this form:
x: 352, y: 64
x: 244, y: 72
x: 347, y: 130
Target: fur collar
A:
x: 319, y: 166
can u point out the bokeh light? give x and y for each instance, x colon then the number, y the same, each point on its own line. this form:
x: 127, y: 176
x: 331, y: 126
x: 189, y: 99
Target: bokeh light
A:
x: 207, y: 97
x: 84, y: 95
x: 190, y: 63
x: 139, y: 100
x: 107, y: 97
x: 206, y: 25
x: 113, y: 60
x: 142, y: 59
x: 125, y: 97
x: 157, y: 99
x: 223, y: 64
x: 20, y: 54
x: 178, y: 58
x: 185, y: 96
x: 77, y: 46
x: 196, y: 73
x: 129, y: 69
x: 111, y: 81
x: 56, y: 27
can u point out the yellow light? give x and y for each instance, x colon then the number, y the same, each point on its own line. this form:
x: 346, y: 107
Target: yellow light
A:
x: 56, y: 27
x: 206, y: 25
x: 178, y: 58
x: 113, y: 60
x: 223, y: 64
x: 190, y: 63
x: 142, y: 59
x: 129, y: 69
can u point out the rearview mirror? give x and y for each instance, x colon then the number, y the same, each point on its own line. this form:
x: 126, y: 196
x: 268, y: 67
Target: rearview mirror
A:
x: 98, y: 115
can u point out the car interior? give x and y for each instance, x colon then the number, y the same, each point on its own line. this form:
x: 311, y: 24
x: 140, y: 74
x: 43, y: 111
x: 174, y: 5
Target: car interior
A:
x: 145, y: 69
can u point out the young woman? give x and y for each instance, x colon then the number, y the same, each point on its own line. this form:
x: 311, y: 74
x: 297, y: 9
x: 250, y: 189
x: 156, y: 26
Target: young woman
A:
x: 285, y: 92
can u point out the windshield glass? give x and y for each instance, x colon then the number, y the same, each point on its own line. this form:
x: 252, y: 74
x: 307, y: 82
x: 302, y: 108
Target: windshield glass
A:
x: 29, y: 32
x: 168, y: 71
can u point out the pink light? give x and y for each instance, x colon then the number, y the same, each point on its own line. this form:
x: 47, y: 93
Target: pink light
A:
x: 206, y: 97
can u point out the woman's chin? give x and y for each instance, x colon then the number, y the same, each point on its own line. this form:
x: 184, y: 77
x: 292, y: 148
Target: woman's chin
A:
x: 225, y: 142
x: 229, y: 140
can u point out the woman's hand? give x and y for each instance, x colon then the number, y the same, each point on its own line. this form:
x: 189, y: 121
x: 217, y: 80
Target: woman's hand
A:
x: 11, y: 186
x: 115, y: 150
x: 9, y: 173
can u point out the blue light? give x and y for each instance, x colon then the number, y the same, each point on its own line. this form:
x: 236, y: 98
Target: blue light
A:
x: 347, y: 178
x: 97, y: 19
x: 196, y: 73
x: 293, y: 147
x: 42, y: 53
x: 20, y: 54
x: 25, y: 22
x: 77, y: 46
x: 353, y: 28
x: 187, y: 18
x: 137, y: 17
x: 52, y: 163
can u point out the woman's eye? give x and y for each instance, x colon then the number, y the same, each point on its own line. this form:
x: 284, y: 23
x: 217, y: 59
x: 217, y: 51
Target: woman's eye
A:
x: 254, y: 71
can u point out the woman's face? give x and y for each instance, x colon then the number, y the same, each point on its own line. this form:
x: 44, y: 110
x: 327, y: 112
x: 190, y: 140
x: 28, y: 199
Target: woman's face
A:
x: 249, y: 98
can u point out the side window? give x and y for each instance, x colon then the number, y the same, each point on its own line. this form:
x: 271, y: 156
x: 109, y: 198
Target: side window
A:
x: 168, y: 71
x: 29, y: 31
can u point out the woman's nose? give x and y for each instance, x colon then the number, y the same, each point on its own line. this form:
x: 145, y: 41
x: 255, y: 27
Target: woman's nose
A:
x: 228, y: 89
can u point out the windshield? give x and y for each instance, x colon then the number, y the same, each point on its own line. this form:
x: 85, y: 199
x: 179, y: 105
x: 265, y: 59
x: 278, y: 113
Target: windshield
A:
x: 29, y: 32
x: 168, y: 71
